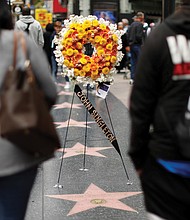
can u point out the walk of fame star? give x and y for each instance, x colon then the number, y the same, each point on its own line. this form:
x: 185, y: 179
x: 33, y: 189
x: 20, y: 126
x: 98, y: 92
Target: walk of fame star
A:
x: 78, y: 149
x: 95, y: 197
x: 65, y: 93
x: 73, y: 123
x: 67, y: 105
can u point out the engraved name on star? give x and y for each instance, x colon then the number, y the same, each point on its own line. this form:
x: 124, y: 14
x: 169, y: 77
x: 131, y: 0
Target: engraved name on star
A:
x: 78, y: 149
x: 73, y: 123
x: 67, y: 105
x: 96, y: 197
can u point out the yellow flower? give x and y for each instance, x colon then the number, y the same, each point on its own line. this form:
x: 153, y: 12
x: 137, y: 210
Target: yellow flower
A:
x: 69, y: 52
x: 100, y: 52
x: 79, y: 45
x: 95, y: 72
x: 81, y: 30
x: 103, y: 41
x: 94, y: 75
x: 86, y: 24
x: 71, y: 65
x: 107, y: 57
x: 66, y: 62
x: 83, y: 61
x: 95, y: 23
x: 76, y: 72
x: 109, y: 47
x: 115, y: 38
x: 105, y: 70
x: 103, y: 26
x: 107, y: 64
x: 80, y: 36
x: 73, y: 25
x: 64, y: 53
x: 75, y: 52
x: 82, y: 73
x: 113, y: 59
x: 97, y: 39
x: 99, y: 48
x: 68, y: 41
x: 86, y: 68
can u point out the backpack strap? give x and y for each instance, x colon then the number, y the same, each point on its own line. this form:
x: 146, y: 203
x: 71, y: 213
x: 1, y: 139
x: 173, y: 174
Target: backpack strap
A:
x: 27, y: 28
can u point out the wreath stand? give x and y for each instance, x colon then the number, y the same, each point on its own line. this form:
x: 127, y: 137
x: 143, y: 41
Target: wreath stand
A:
x: 58, y: 185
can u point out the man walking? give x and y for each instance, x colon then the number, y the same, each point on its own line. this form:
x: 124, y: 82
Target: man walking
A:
x: 135, y: 39
x: 159, y: 100
x: 31, y: 26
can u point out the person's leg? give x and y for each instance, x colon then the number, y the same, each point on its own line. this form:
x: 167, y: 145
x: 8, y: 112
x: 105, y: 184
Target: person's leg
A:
x: 14, y: 194
x: 132, y: 63
x: 67, y: 84
x: 54, y: 68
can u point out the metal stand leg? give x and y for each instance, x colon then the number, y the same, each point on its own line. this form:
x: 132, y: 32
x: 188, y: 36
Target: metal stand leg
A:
x: 128, y: 179
x: 59, y: 175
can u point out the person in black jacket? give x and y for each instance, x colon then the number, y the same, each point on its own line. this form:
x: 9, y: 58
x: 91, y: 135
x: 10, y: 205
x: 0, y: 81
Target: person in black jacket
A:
x: 124, y: 40
x: 159, y: 98
x: 48, y: 41
x: 135, y: 40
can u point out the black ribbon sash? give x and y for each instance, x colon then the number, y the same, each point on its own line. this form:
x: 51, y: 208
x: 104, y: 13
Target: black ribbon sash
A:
x: 95, y: 115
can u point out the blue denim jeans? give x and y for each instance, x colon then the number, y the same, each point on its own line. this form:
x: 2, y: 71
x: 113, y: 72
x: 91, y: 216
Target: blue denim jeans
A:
x: 54, y: 68
x: 135, y: 51
x: 14, y: 194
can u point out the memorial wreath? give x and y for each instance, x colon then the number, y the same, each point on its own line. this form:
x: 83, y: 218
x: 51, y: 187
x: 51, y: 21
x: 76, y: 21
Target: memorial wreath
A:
x: 104, y: 40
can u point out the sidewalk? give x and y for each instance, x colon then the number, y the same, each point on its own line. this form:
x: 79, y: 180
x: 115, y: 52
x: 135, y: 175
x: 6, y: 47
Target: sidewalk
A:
x: 94, y: 183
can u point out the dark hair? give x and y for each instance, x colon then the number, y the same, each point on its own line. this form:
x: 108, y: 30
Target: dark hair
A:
x: 26, y: 11
x: 6, y: 20
x: 50, y: 27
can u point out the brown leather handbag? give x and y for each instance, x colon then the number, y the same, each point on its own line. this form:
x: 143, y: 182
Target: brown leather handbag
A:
x: 25, y: 119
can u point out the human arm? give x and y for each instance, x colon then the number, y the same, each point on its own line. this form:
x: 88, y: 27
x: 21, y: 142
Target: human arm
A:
x: 40, y: 36
x: 143, y: 100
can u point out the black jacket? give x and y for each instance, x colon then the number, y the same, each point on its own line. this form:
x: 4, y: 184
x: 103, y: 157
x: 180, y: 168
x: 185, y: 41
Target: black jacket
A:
x: 135, y: 33
x: 158, y: 98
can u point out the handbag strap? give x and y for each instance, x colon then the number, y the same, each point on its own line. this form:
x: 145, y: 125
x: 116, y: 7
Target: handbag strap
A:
x: 23, y: 45
x: 15, y: 46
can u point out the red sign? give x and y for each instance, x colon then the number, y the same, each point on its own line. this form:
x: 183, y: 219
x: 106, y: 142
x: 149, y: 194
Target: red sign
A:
x: 58, y: 8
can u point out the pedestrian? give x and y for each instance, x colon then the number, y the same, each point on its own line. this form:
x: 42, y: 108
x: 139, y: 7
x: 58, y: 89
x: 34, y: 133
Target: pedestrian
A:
x: 17, y: 168
x: 150, y: 28
x: 31, y: 26
x: 158, y: 100
x: 125, y: 22
x: 48, y: 41
x: 57, y: 28
x: 123, y: 63
x: 135, y: 39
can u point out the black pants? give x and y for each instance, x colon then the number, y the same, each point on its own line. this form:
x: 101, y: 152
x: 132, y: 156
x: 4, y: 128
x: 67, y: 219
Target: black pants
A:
x: 14, y: 194
x: 166, y: 195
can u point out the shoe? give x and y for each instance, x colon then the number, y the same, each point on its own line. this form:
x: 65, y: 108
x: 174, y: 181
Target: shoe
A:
x: 131, y: 82
x: 67, y: 85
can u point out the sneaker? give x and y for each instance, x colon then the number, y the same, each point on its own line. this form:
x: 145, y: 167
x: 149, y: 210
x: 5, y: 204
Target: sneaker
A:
x: 67, y: 85
x: 131, y: 81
